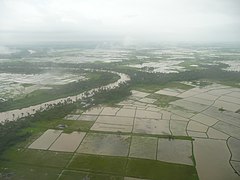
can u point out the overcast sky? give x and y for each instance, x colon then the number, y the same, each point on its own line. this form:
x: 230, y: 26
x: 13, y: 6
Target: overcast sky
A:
x: 127, y: 20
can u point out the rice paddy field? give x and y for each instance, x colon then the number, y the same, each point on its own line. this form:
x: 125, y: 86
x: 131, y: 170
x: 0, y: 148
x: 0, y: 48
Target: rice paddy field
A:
x: 167, y: 128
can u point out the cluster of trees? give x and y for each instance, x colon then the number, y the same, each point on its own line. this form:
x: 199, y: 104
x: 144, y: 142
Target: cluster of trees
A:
x: 211, y: 73
x: 112, y: 96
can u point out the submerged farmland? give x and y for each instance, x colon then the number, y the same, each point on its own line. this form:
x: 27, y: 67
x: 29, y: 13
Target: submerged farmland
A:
x: 120, y: 113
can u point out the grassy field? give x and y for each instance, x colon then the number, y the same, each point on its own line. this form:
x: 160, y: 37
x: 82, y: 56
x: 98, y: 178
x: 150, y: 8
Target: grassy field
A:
x: 73, y: 175
x: 163, y: 100
x: 151, y: 88
x: 41, y: 126
x: 156, y: 170
x: 34, y: 164
x: 97, y: 163
x: 230, y: 83
x: 36, y: 157
x: 132, y: 167
x: 15, y: 171
x: 22, y: 164
x: 164, y: 136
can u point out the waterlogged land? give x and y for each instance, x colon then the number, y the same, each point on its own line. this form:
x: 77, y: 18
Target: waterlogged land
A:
x: 135, y: 113
x: 26, y: 111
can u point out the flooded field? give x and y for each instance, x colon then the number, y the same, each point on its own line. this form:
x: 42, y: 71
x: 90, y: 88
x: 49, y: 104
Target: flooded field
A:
x: 176, y: 117
x: 15, y: 85
x: 45, y: 141
x: 233, y: 65
x: 32, y: 109
x: 162, y: 66
x: 207, y: 125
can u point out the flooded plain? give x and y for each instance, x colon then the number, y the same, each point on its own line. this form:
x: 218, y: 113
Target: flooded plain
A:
x: 199, y: 127
x: 32, y: 109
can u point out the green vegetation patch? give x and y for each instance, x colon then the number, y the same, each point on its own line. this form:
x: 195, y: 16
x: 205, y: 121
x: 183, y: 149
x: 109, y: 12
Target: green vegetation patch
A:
x: 27, y: 84
x: 232, y: 83
x: 238, y: 111
x: 73, y: 175
x: 15, y: 171
x: 95, y: 163
x: 221, y: 109
x: 151, y: 88
x: 113, y: 96
x: 78, y: 126
x: 170, y: 137
x: 38, y: 127
x: 36, y: 157
x: 163, y: 100
x: 74, y: 125
x: 96, y: 76
x: 155, y: 170
x: 148, y: 88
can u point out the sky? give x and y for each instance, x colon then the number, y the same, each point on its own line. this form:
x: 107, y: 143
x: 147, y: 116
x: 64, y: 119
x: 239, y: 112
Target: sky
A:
x: 124, y: 20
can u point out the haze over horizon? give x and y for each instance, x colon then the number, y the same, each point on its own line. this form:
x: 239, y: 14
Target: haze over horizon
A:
x: 124, y: 20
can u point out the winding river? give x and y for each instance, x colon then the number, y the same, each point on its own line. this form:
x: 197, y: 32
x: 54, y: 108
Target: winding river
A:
x: 15, y: 114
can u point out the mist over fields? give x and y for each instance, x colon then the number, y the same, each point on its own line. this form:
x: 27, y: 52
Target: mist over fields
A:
x: 122, y: 20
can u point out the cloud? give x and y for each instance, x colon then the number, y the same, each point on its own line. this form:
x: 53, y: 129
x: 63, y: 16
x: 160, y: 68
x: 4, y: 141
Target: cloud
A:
x: 139, y: 19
